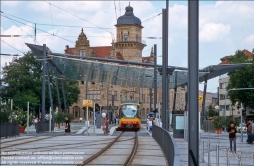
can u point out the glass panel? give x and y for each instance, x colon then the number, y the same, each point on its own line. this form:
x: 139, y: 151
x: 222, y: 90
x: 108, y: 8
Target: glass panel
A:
x: 129, y: 111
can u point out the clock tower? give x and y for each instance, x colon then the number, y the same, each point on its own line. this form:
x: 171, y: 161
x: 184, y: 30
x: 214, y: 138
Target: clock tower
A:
x: 129, y: 36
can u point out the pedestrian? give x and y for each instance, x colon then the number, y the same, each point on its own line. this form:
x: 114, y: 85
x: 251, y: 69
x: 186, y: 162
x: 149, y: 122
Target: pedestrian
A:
x: 150, y: 126
x: 80, y: 119
x: 249, y: 132
x: 67, y: 126
x: 117, y: 119
x: 232, y: 135
x: 107, y: 126
x: 35, y: 122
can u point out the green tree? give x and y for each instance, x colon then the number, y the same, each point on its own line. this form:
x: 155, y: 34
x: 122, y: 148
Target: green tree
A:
x: 211, y: 111
x: 23, y: 77
x: 242, y: 78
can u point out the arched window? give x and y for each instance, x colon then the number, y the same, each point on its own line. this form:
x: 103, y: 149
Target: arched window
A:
x: 76, y: 111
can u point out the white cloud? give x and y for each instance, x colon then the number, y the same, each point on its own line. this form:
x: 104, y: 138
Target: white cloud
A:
x: 211, y: 32
x: 250, y: 39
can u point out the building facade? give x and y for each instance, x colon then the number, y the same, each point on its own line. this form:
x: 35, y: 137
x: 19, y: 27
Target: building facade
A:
x: 224, y: 99
x: 128, y: 46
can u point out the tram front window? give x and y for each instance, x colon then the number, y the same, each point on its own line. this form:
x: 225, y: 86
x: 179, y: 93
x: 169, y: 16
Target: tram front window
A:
x: 129, y: 111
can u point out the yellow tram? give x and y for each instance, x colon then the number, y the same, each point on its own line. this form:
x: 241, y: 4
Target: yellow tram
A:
x: 129, y: 116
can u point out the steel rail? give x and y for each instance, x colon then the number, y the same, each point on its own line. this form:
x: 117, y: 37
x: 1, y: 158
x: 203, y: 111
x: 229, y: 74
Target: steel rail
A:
x: 133, y: 152
x: 26, y: 142
x: 100, y: 152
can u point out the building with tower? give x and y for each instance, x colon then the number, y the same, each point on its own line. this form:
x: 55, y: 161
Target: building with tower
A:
x: 128, y: 46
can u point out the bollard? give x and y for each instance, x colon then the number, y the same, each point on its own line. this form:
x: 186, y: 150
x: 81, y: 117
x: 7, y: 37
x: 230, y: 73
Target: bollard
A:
x: 203, y: 155
x: 217, y: 154
x: 219, y: 138
x: 240, y: 159
x: 208, y: 149
x: 227, y: 156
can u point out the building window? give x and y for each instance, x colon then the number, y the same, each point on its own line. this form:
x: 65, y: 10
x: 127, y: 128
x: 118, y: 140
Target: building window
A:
x: 94, y: 95
x: 223, y: 85
x: 82, y: 82
x: 82, y: 52
x: 207, y: 100
x: 126, y: 37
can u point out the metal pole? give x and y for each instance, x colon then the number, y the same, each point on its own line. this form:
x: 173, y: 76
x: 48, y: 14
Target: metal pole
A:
x: 155, y: 76
x: 225, y: 106
x: 49, y: 89
x: 64, y: 96
x: 87, y: 121
x: 174, y: 102
x: 50, y: 114
x: 241, y: 121
x: 208, y: 150
x: 193, y: 81
x: 203, y: 102
x: 203, y: 151
x: 150, y: 94
x: 57, y: 91
x: 94, y: 118
x: 164, y: 72
x: 43, y: 83
x: 217, y: 155
x: 227, y: 156
x: 27, y: 118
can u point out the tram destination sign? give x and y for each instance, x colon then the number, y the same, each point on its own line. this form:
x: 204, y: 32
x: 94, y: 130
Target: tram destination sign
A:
x: 109, y: 107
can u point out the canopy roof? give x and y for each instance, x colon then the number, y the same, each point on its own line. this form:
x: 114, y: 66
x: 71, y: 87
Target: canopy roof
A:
x: 123, y: 73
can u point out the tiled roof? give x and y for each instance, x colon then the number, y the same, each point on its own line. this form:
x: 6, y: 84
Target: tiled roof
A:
x: 68, y: 50
x: 102, y: 51
x: 224, y: 60
x: 145, y: 59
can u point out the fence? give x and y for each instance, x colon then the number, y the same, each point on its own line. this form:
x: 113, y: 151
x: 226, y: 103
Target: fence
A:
x: 44, y: 126
x: 208, y: 126
x: 9, y: 130
x: 168, y: 145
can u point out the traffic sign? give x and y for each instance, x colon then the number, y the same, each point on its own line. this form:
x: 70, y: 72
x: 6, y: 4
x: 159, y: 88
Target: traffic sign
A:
x: 87, y: 103
x: 200, y: 99
x: 109, y: 107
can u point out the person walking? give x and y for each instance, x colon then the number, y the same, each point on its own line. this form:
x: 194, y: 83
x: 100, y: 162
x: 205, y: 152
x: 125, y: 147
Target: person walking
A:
x: 117, y: 119
x: 249, y: 131
x: 67, y: 126
x: 150, y: 125
x: 80, y: 119
x: 232, y: 135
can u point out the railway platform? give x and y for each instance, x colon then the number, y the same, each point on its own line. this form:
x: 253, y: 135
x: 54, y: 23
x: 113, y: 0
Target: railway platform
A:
x: 56, y: 148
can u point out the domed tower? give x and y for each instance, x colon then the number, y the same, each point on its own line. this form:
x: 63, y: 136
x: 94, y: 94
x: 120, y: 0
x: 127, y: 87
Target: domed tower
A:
x: 129, y: 36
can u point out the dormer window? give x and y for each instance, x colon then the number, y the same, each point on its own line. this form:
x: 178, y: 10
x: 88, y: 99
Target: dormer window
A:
x: 126, y: 37
x: 82, y: 52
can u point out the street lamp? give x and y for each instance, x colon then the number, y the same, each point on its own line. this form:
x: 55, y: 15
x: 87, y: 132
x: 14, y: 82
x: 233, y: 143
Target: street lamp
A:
x: 217, y: 108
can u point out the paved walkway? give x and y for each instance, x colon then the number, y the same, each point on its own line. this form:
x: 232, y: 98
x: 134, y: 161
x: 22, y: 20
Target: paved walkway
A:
x: 244, y: 150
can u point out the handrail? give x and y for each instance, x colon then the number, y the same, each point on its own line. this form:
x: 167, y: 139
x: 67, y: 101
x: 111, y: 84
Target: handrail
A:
x: 167, y: 144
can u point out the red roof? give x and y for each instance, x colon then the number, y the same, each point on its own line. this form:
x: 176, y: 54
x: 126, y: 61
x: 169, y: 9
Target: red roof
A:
x: 102, y: 51
x: 68, y: 50
x: 145, y: 59
x: 224, y: 60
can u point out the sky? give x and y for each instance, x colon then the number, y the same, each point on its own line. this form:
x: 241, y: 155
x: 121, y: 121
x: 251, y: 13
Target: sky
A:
x: 224, y: 27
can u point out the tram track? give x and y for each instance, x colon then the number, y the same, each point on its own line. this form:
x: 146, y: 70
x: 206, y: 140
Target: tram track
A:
x: 100, y: 153
x: 29, y: 141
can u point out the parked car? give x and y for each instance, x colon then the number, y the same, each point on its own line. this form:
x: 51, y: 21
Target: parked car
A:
x: 241, y: 127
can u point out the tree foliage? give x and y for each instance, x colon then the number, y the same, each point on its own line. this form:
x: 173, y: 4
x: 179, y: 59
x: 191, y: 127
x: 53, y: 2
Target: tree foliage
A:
x: 242, y: 78
x: 23, y: 77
